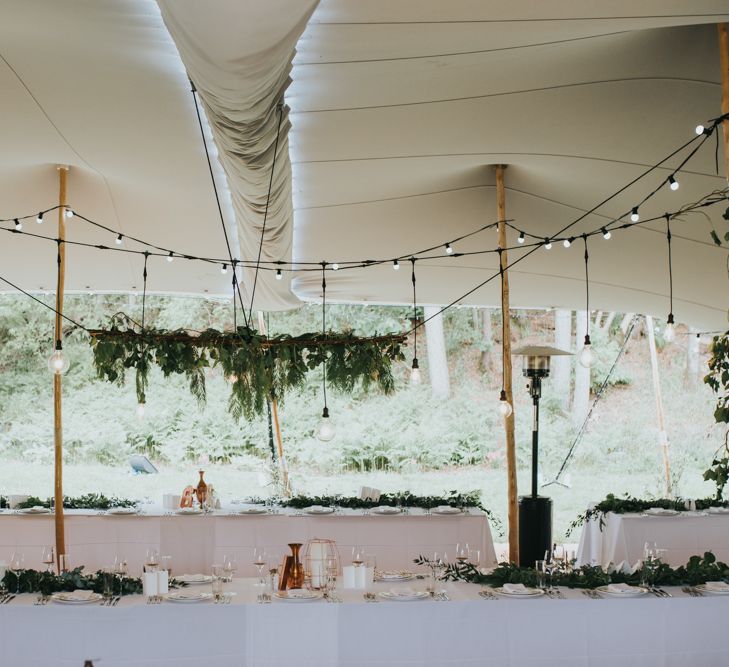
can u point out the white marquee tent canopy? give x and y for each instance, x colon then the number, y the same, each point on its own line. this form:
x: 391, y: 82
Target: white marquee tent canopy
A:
x: 396, y: 110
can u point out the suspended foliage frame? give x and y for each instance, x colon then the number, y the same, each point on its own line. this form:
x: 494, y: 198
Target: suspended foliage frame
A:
x: 259, y: 367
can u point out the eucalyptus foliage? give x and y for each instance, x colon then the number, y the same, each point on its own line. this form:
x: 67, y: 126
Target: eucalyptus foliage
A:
x: 258, y: 367
x: 718, y: 379
x: 631, y: 505
x: 89, y: 501
x: 697, y: 571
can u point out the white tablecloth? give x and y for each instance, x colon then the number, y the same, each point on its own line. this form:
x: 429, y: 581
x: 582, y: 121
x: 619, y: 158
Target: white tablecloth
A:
x: 467, y: 631
x: 196, y: 542
x: 624, y: 535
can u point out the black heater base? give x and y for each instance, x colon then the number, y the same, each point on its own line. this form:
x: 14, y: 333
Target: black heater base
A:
x: 535, y: 529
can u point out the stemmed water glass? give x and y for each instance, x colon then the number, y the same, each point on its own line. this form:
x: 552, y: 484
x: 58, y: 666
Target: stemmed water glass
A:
x: 16, y: 566
x: 550, y: 564
x: 332, y: 571
x: 259, y: 560
x: 274, y: 559
x: 47, y: 557
x: 120, y: 568
x: 437, y: 565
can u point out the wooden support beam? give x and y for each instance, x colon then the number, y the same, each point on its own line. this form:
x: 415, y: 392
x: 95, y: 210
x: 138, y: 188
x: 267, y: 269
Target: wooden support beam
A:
x: 276, y: 424
x: 662, y: 436
x: 57, y: 377
x: 724, y: 65
x: 513, y: 500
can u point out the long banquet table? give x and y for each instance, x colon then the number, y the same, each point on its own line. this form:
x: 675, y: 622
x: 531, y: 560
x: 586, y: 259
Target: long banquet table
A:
x: 196, y: 542
x: 623, y: 537
x: 467, y: 630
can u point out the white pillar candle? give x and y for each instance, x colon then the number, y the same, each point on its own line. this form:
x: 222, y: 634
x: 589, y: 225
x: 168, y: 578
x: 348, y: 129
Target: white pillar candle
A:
x: 149, y: 584
x: 163, y: 582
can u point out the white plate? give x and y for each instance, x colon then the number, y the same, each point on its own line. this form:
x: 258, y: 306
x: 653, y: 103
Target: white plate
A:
x: 446, y: 511
x: 634, y: 592
x: 187, y: 597
x: 395, y: 576
x: 194, y: 579
x: 121, y: 511
x: 718, y: 510
x: 385, y: 511
x: 253, y: 510
x: 69, y: 598
x: 659, y: 511
x: 35, y: 510
x: 709, y: 591
x: 318, y: 510
x: 533, y: 593
x: 188, y: 511
x: 417, y: 595
x: 297, y: 595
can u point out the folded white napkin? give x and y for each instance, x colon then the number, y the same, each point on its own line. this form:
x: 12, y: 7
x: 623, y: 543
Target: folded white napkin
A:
x: 297, y: 593
x: 192, y: 577
x: 185, y: 594
x: 717, y: 586
x: 443, y: 508
x: 316, y: 508
x: 620, y: 589
x: 386, y: 509
x: 516, y: 589
x: 405, y: 592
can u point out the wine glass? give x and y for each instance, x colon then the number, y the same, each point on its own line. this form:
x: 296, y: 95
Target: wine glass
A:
x: 151, y: 560
x: 332, y: 571
x: 165, y: 563
x: 120, y: 567
x: 549, y: 566
x: 259, y: 560
x: 274, y: 559
x: 462, y: 552
x: 474, y: 557
x: 358, y: 555
x: 47, y: 556
x: 230, y: 565
x: 16, y: 566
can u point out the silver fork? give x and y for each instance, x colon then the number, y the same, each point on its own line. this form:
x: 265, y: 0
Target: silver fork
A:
x: 8, y: 599
x: 487, y: 595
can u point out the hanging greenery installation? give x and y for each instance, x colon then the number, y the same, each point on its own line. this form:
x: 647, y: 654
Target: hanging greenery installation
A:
x: 258, y: 367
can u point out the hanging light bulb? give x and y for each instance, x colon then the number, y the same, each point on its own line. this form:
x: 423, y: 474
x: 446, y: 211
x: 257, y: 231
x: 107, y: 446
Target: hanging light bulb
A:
x: 396, y: 265
x: 670, y: 333
x: 141, y: 409
x: 586, y: 357
x: 448, y: 249
x: 58, y: 362
x: 700, y: 129
x: 39, y: 218
x: 119, y: 239
x: 547, y: 244
x: 170, y: 257
x: 605, y: 233
x: 634, y: 215
x: 224, y: 269
x: 567, y: 243
x: 672, y: 183
x: 521, y: 238
x: 69, y: 212
x: 279, y: 275
x: 505, y: 408
x: 415, y: 376
x: 325, y: 429
x: 18, y: 224
x: 335, y: 267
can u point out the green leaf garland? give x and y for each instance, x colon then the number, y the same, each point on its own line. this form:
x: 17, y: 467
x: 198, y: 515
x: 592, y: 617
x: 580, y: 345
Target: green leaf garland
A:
x: 257, y: 366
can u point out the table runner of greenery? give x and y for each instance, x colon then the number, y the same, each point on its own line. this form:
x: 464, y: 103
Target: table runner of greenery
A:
x: 629, y: 504
x: 89, y: 501
x: 698, y: 570
x: 398, y: 499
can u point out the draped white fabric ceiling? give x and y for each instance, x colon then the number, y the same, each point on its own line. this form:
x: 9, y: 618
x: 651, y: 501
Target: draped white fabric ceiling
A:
x: 397, y: 111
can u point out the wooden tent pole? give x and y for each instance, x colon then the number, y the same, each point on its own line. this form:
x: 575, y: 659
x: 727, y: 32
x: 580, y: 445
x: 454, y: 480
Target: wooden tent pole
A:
x: 513, y: 507
x: 662, y: 435
x: 57, y: 377
x: 724, y: 64
x: 276, y: 424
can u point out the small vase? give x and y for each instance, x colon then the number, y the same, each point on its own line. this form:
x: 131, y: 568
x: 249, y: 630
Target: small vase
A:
x: 296, y: 577
x: 202, y: 490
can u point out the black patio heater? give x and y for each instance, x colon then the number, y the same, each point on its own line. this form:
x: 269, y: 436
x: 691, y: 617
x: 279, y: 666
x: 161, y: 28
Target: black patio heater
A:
x: 535, y: 511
